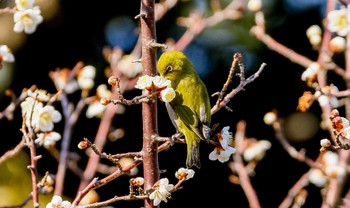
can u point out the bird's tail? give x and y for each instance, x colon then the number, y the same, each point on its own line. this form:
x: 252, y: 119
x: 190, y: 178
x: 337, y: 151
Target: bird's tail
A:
x: 193, y: 158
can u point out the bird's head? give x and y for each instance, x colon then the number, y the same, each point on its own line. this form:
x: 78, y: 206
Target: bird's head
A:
x: 174, y: 64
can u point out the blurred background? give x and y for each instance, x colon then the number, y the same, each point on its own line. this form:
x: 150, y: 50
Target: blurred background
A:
x: 78, y: 30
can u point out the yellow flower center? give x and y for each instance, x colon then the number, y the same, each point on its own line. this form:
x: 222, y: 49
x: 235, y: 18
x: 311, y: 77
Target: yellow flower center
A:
x: 342, y: 21
x: 27, y: 20
x: 23, y: 3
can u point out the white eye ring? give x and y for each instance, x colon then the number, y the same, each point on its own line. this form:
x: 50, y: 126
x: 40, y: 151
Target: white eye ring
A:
x: 169, y: 68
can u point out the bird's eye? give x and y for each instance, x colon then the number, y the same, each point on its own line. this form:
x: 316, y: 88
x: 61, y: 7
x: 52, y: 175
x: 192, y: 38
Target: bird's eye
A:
x: 169, y: 68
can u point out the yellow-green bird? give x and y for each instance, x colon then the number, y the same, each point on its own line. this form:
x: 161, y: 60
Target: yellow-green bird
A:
x: 189, y: 111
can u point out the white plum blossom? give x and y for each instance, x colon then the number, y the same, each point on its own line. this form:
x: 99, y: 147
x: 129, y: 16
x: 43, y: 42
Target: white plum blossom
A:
x: 223, y: 151
x: 331, y: 163
x: 317, y: 177
x: 167, y: 95
x: 345, y: 128
x: 40, y: 95
x: 86, y: 83
x: 27, y: 20
x: 160, y: 82
x: 24, y: 4
x: 256, y: 151
x: 332, y: 169
x: 221, y: 154
x: 328, y: 97
x: 6, y: 54
x: 184, y: 173
x: 95, y: 108
x: 30, y: 108
x: 128, y: 67
x: 346, y: 132
x: 88, y: 71
x: 324, y: 100
x: 86, y: 77
x: 161, y: 192
x: 63, y: 80
x: 27, y: 105
x: 57, y: 202
x: 103, y: 91
x: 146, y: 81
x: 225, y: 137
x: 44, y: 118
x: 47, y: 139
x: 338, y: 21
x: 311, y: 71
x: 335, y: 171
x: 330, y: 158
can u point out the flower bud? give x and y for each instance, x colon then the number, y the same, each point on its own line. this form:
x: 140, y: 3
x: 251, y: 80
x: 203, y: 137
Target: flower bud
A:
x: 112, y: 80
x: 337, y: 44
x: 137, y: 181
x: 313, y: 30
x: 325, y: 143
x: 270, y: 118
x: 83, y: 145
x: 105, y: 101
x: 254, y: 5
x: 315, y: 40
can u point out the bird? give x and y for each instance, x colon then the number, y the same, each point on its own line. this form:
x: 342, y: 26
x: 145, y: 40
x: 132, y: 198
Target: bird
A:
x: 189, y: 111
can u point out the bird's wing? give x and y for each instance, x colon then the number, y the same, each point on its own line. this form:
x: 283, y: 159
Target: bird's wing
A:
x: 186, y: 115
x: 172, y: 114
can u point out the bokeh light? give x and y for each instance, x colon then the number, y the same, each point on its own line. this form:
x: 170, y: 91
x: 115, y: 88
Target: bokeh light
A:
x: 49, y: 9
x: 121, y: 31
x: 300, y: 127
x: 7, y: 36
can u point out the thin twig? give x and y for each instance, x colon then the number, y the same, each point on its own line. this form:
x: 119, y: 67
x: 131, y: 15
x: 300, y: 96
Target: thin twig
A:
x: 82, y: 193
x: 22, y: 204
x: 239, y: 88
x: 293, y: 192
x: 241, y: 171
x: 11, y: 153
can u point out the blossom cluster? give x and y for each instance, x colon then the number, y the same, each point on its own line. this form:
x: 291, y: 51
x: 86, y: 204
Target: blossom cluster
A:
x: 223, y: 150
x: 159, y: 83
x: 58, y: 202
x: 162, y: 188
x: 340, y: 124
x: 41, y: 116
x: 331, y: 169
x: 338, y: 23
x: 82, y: 79
x: 27, y: 16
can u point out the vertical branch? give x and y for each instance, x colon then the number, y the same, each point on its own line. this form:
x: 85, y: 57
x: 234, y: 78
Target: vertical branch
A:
x: 71, y: 116
x: 149, y: 110
x: 335, y: 186
x: 33, y: 170
x: 33, y: 161
x: 62, y: 163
